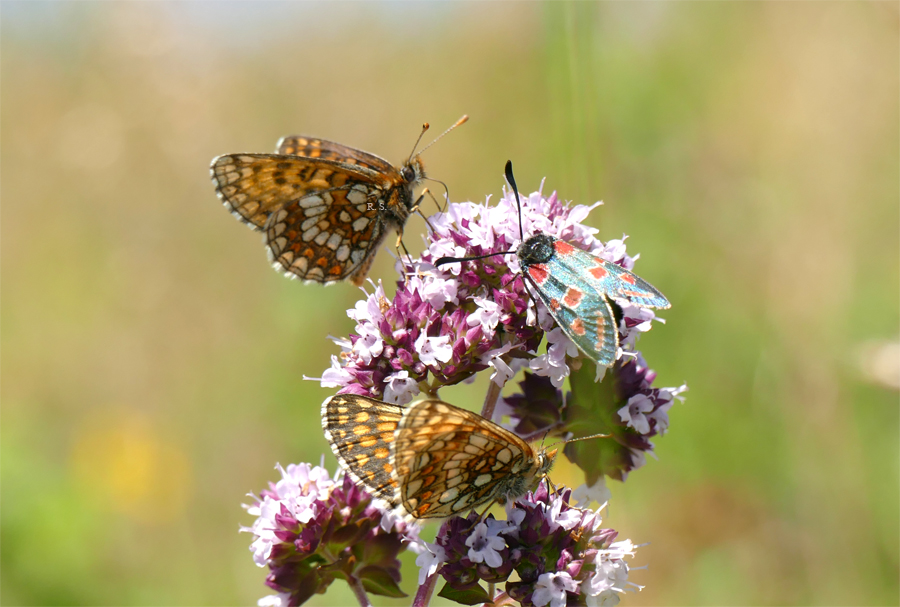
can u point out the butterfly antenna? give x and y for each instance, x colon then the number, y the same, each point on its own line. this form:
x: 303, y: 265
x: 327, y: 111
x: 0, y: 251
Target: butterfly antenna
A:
x: 455, y: 124
x: 425, y: 127
x: 573, y: 440
x: 512, y: 182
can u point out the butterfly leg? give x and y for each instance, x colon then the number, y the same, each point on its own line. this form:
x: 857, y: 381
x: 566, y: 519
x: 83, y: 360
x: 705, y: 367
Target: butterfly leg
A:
x: 416, y: 209
x: 483, y: 515
x: 551, y: 485
x: 409, y: 260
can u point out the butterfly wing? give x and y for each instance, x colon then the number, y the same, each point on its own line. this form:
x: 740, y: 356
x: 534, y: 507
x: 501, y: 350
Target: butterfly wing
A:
x: 451, y: 460
x: 361, y: 432
x: 323, y: 220
x: 328, y: 235
x: 254, y: 185
x: 313, y: 147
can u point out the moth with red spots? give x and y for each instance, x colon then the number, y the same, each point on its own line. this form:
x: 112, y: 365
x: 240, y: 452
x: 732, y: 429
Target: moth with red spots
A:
x: 576, y: 286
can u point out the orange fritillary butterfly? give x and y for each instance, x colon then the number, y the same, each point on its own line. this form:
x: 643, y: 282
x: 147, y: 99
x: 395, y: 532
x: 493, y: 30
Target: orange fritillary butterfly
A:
x: 429, y: 459
x: 324, y: 208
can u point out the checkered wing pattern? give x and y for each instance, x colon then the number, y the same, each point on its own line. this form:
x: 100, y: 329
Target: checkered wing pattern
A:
x: 574, y: 285
x: 450, y: 461
x: 329, y: 235
x: 429, y: 460
x: 324, y: 214
x: 361, y: 433
x: 312, y: 147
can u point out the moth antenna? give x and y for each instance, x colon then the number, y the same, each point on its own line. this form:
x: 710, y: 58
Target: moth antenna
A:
x: 425, y: 127
x: 512, y: 182
x: 455, y: 124
x: 444, y: 260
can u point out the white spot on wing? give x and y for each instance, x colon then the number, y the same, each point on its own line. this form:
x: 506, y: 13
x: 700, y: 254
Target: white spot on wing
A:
x: 448, y: 496
x: 313, y: 200
x: 356, y: 197
x: 482, y: 479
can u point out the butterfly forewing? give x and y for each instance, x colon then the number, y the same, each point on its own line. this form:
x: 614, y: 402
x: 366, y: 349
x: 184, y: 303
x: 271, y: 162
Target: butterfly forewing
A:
x: 361, y: 432
x: 253, y: 185
x: 450, y: 460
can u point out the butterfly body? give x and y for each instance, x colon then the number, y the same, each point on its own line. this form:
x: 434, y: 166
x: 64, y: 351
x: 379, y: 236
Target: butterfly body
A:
x: 574, y: 286
x: 324, y: 208
x: 430, y: 459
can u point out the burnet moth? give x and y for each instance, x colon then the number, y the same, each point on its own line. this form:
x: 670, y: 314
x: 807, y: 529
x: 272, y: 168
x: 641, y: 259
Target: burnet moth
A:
x: 574, y: 286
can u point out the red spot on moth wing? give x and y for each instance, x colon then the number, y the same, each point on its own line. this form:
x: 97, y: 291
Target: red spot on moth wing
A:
x: 554, y: 304
x: 573, y: 297
x: 598, y: 272
x: 577, y: 326
x: 538, y: 273
x: 562, y: 247
x: 627, y: 277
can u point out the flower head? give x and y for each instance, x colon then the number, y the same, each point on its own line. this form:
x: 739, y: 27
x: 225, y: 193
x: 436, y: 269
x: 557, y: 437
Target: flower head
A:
x: 555, y: 549
x: 311, y: 528
x: 445, y: 324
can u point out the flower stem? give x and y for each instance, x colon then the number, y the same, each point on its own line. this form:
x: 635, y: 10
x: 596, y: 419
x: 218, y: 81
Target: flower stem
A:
x: 502, y: 599
x: 490, y: 401
x: 359, y: 591
x: 423, y: 596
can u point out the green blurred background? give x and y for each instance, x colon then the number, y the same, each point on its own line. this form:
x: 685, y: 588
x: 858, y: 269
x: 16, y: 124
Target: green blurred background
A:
x: 152, y: 361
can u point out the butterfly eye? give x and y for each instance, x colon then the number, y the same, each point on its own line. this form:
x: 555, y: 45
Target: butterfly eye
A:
x: 408, y: 173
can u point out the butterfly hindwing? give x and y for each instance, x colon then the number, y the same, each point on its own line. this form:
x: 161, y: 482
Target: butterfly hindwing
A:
x: 451, y: 460
x: 327, y: 235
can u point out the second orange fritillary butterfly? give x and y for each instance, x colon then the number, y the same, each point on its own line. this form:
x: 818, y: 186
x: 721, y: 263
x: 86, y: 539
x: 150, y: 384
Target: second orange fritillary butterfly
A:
x: 430, y: 459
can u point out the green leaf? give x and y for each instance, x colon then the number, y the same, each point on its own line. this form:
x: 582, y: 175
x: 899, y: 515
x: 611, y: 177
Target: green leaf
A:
x: 343, y: 537
x: 593, y: 409
x: 471, y: 596
x: 378, y: 580
x: 381, y: 549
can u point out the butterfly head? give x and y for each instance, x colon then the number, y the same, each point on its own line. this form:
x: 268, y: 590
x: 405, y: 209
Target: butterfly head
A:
x: 413, y: 171
x: 545, y: 461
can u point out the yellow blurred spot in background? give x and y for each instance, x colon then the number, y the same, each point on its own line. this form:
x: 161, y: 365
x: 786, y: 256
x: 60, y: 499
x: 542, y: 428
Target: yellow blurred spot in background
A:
x: 130, y: 468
